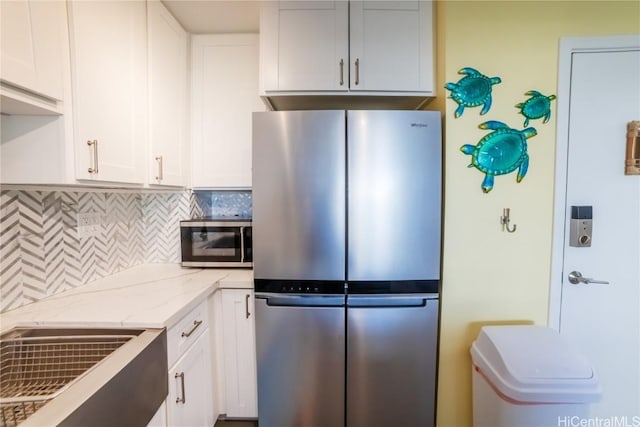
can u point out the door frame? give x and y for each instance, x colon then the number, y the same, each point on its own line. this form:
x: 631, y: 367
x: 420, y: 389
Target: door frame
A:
x: 569, y: 46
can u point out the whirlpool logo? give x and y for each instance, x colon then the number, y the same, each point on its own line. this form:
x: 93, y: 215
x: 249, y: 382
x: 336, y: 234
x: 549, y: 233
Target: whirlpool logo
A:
x: 419, y: 125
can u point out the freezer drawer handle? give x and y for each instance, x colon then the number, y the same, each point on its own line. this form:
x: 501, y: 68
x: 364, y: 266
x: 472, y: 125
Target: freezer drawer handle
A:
x: 182, y: 399
x: 196, y: 323
x: 304, y: 301
x: 386, y: 302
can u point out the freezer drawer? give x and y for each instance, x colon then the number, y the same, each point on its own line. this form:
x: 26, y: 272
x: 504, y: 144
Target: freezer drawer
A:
x: 391, y: 360
x: 301, y: 360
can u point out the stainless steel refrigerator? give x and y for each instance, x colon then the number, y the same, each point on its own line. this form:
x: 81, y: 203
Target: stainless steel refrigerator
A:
x: 347, y: 240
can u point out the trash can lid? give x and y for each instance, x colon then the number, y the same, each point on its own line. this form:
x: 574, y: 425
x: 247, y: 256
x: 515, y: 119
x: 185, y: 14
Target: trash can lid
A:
x: 530, y: 363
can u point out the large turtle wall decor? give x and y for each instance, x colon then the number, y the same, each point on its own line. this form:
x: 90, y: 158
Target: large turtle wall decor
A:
x: 500, y: 152
x: 538, y: 106
x: 472, y: 90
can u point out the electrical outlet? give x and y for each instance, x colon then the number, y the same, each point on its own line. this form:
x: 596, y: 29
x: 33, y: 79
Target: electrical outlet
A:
x: 89, y: 224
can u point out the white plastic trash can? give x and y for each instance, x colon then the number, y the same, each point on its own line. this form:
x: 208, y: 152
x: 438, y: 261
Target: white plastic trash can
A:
x: 529, y: 376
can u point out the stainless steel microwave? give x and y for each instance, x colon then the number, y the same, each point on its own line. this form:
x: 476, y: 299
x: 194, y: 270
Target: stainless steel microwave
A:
x: 223, y: 243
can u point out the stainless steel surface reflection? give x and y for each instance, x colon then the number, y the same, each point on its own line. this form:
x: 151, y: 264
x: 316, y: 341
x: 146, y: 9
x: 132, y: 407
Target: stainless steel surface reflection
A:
x: 394, y: 195
x: 391, y: 343
x: 299, y: 195
x: 81, y: 376
x: 301, y: 360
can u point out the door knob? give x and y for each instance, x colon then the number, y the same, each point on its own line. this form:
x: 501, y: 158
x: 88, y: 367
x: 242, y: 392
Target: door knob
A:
x: 575, y: 277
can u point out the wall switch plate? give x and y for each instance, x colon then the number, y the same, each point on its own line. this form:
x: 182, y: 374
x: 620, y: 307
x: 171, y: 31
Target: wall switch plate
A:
x: 89, y: 224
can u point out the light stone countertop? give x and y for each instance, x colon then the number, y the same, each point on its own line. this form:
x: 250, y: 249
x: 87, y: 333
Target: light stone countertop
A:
x: 145, y: 296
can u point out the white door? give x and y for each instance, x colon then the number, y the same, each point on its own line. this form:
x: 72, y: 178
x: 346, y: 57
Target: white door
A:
x: 601, y: 94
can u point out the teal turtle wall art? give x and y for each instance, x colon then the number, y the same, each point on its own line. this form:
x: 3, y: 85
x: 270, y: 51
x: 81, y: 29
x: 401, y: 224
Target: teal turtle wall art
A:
x: 538, y: 106
x: 473, y: 90
x: 501, y: 152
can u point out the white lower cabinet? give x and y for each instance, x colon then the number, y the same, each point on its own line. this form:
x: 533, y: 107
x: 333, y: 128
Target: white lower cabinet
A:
x: 190, y: 395
x: 239, y: 353
x: 190, y: 402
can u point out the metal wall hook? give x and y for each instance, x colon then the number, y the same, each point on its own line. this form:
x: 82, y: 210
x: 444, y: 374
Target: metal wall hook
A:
x: 505, y: 220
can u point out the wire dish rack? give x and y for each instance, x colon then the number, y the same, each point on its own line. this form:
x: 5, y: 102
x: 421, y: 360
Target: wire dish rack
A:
x: 34, y: 370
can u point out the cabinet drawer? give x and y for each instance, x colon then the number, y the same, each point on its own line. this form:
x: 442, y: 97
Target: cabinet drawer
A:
x: 184, y: 333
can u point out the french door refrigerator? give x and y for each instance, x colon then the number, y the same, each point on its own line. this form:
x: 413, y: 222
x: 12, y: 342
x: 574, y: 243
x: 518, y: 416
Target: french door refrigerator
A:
x: 346, y: 240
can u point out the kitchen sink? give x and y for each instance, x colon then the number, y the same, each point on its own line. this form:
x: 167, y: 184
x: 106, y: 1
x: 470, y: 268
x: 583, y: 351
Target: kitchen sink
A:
x: 81, y: 376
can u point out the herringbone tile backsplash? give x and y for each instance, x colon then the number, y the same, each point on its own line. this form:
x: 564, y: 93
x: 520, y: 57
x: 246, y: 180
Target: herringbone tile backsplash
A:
x: 41, y: 253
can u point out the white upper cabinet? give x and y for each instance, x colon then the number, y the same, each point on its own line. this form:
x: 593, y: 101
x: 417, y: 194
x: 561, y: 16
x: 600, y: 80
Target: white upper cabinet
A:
x: 305, y: 46
x: 109, y: 76
x: 363, y: 47
x: 391, y: 46
x: 224, y: 93
x: 167, y: 156
x: 32, y: 35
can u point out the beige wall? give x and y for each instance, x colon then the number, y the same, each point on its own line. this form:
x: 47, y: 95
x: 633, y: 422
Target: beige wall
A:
x: 490, y: 275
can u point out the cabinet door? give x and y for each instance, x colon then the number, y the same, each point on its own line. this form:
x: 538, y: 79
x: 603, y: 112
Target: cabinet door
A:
x: 109, y: 71
x: 224, y: 94
x: 240, y: 353
x: 32, y: 37
x: 304, y: 46
x: 190, y: 400
x: 391, y: 46
x: 167, y: 98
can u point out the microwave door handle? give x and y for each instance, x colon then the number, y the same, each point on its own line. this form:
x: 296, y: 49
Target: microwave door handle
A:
x: 241, y: 244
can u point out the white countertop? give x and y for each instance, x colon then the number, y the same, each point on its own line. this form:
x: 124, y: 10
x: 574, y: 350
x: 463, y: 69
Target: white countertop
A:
x: 149, y: 295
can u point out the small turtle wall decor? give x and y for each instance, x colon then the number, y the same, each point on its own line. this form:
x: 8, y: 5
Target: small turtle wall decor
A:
x: 500, y: 152
x: 473, y: 90
x: 536, y: 107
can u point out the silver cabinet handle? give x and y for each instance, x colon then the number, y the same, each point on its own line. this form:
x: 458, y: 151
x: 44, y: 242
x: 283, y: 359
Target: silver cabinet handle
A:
x: 575, y: 277
x: 182, y: 399
x: 94, y: 151
x: 341, y: 71
x: 196, y: 323
x: 246, y: 304
x: 357, y: 71
x: 159, y: 160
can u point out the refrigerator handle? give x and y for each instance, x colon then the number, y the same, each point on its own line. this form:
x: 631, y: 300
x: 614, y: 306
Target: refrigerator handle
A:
x: 381, y: 302
x: 303, y: 301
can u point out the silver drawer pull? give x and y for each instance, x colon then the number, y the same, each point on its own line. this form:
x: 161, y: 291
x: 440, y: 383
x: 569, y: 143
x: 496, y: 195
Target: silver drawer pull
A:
x: 196, y: 323
x: 182, y: 399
